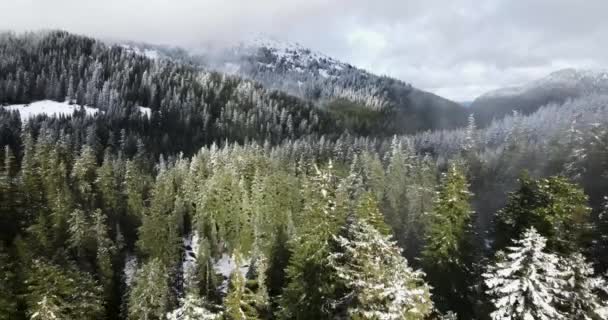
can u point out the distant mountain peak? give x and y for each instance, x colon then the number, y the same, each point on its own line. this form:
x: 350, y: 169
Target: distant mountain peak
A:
x: 556, y: 87
x: 292, y: 56
x: 568, y: 77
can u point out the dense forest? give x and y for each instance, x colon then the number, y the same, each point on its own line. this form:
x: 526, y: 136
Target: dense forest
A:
x: 232, y: 201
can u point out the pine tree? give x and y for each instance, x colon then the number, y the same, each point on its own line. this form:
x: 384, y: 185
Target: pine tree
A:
x: 10, y: 195
x: 108, y: 186
x: 583, y: 297
x: 377, y: 282
x: 159, y: 233
x: 309, y: 286
x: 84, y: 175
x: 206, y: 277
x: 8, y: 298
x: 553, y: 206
x: 104, y: 254
x: 445, y: 255
x: 46, y: 309
x: 600, y: 243
x: 149, y: 296
x: 80, y: 237
x: 526, y: 283
x: 193, y: 307
x: 135, y: 184
x: 238, y: 302
x: 61, y: 292
x: 367, y: 209
x: 257, y: 293
x: 278, y: 261
x: 398, y: 168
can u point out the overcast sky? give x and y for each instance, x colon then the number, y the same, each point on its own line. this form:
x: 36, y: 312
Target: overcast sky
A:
x: 456, y: 48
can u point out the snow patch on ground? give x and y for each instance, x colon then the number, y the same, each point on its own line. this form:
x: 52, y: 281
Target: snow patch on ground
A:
x: 323, y: 73
x: 145, y: 110
x: 48, y: 107
x: 191, y: 246
x: 226, y: 265
x: 129, y: 269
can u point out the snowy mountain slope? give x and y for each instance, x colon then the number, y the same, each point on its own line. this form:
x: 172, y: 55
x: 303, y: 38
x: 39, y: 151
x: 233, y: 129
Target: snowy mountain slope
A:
x: 292, y: 68
x: 48, y: 107
x: 55, y: 109
x: 313, y: 75
x: 557, y: 87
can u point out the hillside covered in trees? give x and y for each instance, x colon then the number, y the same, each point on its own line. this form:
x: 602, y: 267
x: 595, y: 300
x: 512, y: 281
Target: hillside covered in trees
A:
x: 228, y: 200
x: 396, y: 107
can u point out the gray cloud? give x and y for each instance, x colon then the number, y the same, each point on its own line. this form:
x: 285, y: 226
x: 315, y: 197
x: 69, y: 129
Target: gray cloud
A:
x: 458, y: 49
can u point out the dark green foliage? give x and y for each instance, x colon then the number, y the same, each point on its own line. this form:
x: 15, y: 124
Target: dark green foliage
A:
x: 555, y: 207
x: 279, y: 258
x: 8, y: 296
x: 446, y: 255
x: 64, y: 292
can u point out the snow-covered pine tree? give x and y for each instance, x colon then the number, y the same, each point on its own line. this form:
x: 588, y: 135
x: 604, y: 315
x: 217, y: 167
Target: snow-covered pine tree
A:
x: 377, y: 281
x: 63, y: 293
x: 149, y: 294
x: 309, y: 286
x: 583, y: 297
x: 237, y: 303
x: 526, y: 282
x: 193, y: 307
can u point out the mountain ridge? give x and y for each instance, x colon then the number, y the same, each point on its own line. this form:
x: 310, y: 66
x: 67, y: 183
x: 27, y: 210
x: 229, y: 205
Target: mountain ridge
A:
x: 557, y: 87
x: 294, y: 69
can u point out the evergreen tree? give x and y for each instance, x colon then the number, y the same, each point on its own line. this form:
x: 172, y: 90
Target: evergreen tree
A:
x: 193, y: 307
x: 238, y: 302
x: 107, y: 184
x: 377, y: 282
x: 149, y: 296
x: 310, y: 288
x: 446, y: 253
x: 526, y: 283
x: 10, y: 195
x: 600, y: 243
x: 278, y: 261
x: 84, y: 175
x: 8, y: 298
x: 80, y: 237
x: 584, y: 298
x: 61, y: 292
x: 104, y: 255
x: 256, y: 284
x: 553, y: 206
x: 206, y: 277
x: 159, y: 233
x: 397, y: 171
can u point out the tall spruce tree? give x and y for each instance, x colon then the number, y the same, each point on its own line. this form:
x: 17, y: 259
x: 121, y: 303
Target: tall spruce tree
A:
x: 149, y: 295
x: 310, y: 289
x: 445, y: 256
x: 584, y: 297
x: 64, y: 293
x: 556, y: 208
x: 375, y: 280
x: 527, y: 282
